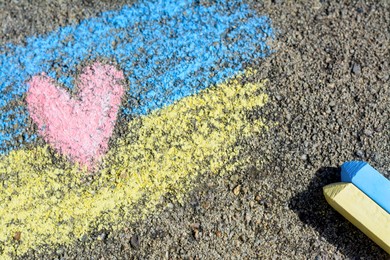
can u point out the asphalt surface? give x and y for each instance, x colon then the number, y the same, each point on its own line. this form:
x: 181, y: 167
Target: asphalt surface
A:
x: 329, y: 103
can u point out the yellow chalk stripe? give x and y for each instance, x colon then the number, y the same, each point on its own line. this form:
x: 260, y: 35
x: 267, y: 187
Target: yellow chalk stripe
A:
x: 361, y: 211
x: 44, y: 198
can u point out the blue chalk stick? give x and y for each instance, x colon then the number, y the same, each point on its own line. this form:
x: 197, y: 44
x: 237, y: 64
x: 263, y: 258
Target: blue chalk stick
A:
x: 369, y: 181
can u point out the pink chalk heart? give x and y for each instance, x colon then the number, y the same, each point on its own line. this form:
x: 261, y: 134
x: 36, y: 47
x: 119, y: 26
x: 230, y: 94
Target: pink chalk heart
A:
x: 78, y: 127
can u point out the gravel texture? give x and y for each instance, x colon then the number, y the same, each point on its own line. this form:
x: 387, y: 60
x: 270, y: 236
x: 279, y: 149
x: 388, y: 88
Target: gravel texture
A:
x: 329, y: 97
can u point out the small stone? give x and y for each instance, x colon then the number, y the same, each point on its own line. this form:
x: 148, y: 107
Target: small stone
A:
x: 102, y: 236
x: 205, y: 205
x: 195, y: 225
x: 356, y: 69
x: 375, y: 156
x: 60, y: 251
x: 248, y: 217
x: 288, y: 116
x: 367, y: 132
x: 134, y: 241
x: 359, y: 153
x: 123, y: 175
x: 17, y: 236
x: 195, y: 230
x: 236, y: 190
x: 196, y: 234
x: 378, y: 129
x: 83, y: 238
x: 304, y: 157
x: 317, y: 5
x: 234, y: 178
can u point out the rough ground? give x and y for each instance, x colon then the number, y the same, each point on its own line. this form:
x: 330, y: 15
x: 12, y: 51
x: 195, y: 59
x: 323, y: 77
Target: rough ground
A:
x: 329, y: 95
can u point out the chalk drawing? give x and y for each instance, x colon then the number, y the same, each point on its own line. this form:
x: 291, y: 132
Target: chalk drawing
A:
x: 78, y: 128
x: 173, y: 59
x: 43, y: 196
x: 167, y: 50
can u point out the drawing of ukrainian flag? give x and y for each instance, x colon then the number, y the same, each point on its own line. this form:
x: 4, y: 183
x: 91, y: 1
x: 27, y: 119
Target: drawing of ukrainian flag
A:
x: 184, y: 64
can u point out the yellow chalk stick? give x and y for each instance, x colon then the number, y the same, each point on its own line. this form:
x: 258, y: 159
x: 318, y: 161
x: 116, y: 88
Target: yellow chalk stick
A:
x: 361, y: 211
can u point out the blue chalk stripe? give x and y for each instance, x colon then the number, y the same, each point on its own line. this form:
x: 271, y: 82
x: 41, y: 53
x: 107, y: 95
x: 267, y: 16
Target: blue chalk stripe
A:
x: 168, y: 49
x: 369, y: 181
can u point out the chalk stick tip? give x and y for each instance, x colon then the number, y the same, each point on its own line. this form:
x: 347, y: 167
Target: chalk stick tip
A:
x: 350, y: 169
x: 332, y: 190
